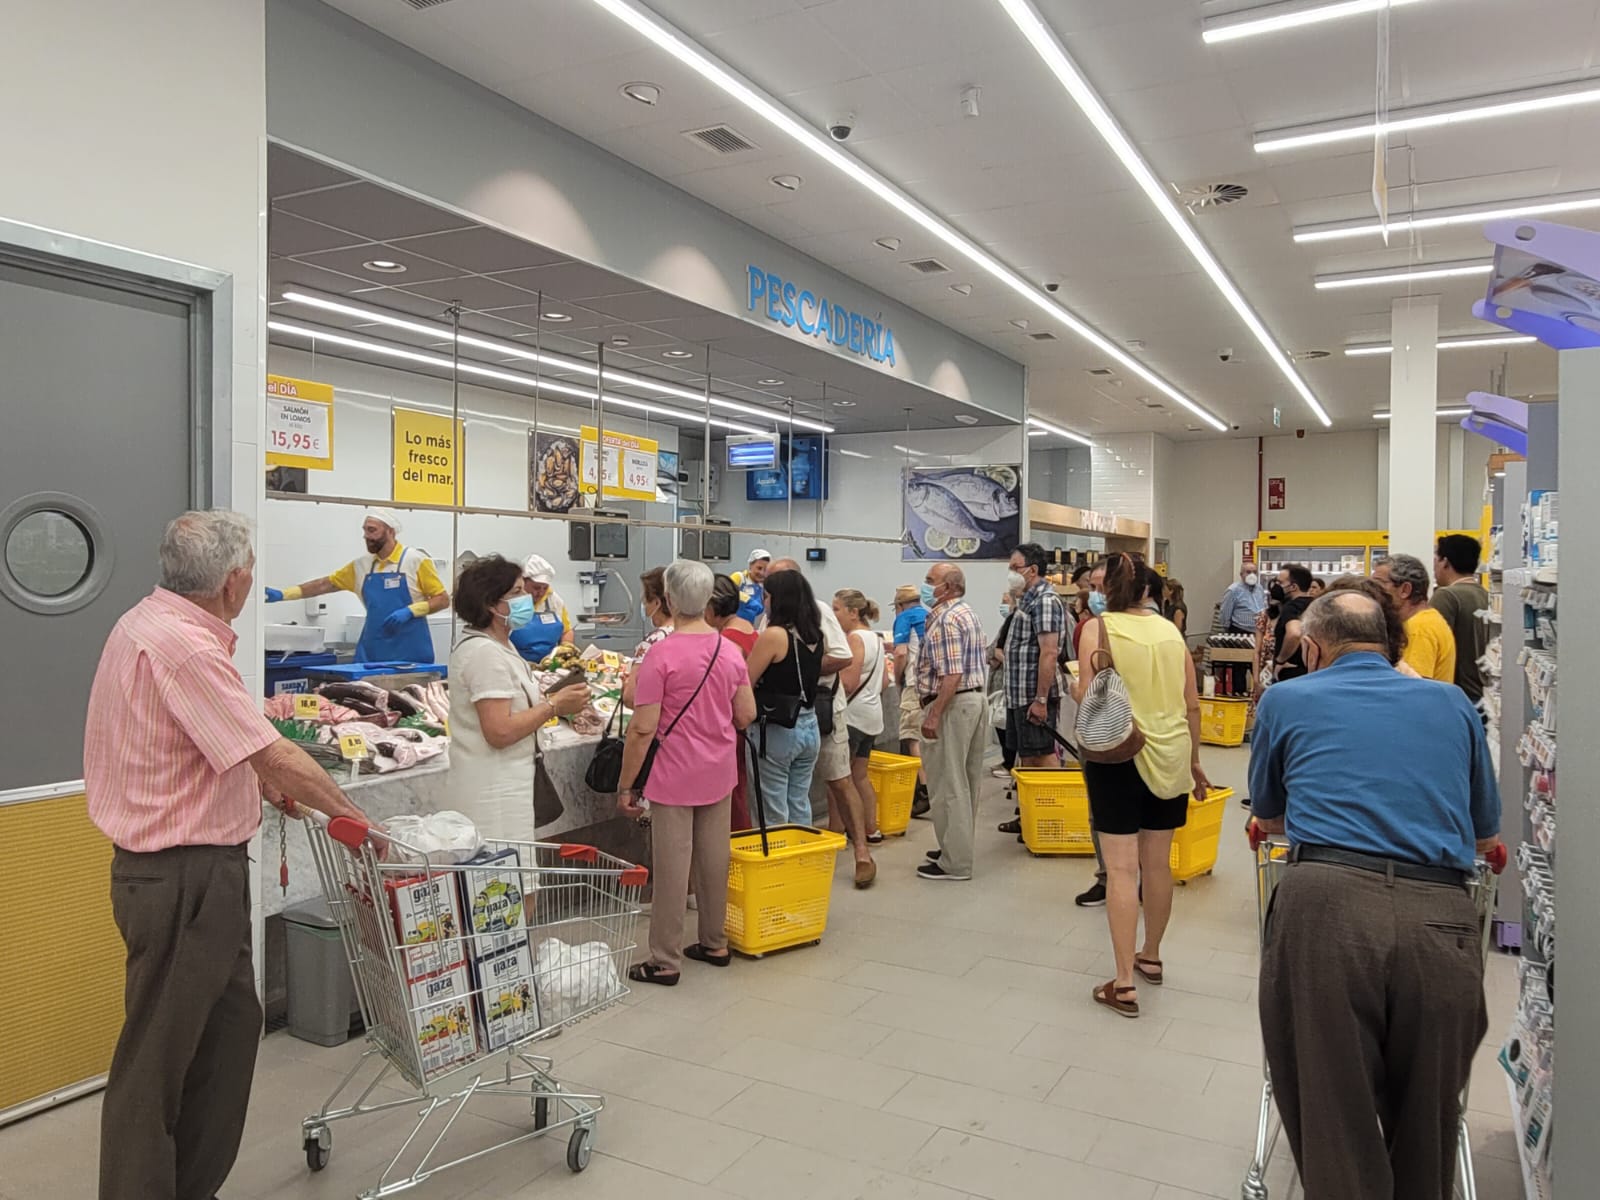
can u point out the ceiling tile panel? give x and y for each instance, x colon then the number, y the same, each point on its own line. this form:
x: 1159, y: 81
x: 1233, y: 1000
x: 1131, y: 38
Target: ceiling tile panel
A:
x: 375, y: 211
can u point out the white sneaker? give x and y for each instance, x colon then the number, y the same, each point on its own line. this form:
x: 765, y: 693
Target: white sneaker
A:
x: 1000, y: 773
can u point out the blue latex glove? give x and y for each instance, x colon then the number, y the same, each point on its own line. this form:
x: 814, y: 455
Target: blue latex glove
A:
x: 273, y: 595
x: 397, y: 620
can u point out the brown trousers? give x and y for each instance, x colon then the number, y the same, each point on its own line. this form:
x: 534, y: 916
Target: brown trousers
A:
x: 688, y: 841
x: 1371, y: 1009
x: 175, y: 1100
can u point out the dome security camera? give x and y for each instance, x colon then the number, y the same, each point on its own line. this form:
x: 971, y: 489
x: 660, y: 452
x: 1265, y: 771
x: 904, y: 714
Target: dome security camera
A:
x: 1225, y: 354
x: 840, y: 128
x: 1052, y: 285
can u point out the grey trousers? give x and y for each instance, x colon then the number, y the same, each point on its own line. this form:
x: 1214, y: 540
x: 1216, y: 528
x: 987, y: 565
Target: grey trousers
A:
x: 954, y: 762
x: 688, y: 842
x: 1372, y: 1006
x: 179, y: 1085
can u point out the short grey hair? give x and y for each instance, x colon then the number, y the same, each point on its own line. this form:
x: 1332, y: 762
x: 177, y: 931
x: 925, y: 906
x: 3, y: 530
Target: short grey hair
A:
x: 199, y: 549
x: 1345, y: 618
x: 688, y: 586
x: 1406, y: 568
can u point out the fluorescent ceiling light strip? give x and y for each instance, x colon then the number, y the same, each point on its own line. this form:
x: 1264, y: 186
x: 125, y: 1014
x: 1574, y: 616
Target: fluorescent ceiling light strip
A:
x: 714, y: 71
x: 1438, y: 218
x: 1273, y: 18
x: 1466, y: 343
x: 1049, y: 48
x: 853, y: 453
x: 1511, y: 104
x: 1440, y: 413
x: 481, y: 372
x: 1415, y: 275
x: 560, y: 361
x: 1046, y: 427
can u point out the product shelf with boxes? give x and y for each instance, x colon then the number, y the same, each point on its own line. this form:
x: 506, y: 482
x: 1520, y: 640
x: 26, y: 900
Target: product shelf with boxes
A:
x: 1529, y: 603
x: 1329, y: 553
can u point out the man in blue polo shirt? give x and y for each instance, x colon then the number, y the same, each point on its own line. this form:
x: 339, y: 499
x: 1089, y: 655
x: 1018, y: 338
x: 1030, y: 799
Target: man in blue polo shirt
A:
x: 1371, y: 989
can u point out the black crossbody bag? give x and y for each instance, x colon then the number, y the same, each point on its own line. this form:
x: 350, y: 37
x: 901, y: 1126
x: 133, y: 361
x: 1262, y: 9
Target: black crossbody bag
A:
x: 605, y: 768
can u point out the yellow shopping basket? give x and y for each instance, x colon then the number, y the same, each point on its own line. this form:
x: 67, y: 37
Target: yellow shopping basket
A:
x: 780, y: 899
x: 1194, y: 847
x: 1223, y: 721
x: 1054, y: 806
x: 894, y: 779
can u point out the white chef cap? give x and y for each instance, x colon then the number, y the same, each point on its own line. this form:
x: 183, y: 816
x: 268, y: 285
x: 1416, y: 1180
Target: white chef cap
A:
x: 538, y: 569
x: 387, y: 516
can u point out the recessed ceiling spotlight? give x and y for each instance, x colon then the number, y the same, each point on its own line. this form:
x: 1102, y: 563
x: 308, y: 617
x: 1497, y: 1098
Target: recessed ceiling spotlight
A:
x: 770, y: 382
x: 789, y: 183
x: 844, y: 403
x: 1309, y: 355
x: 384, y: 266
x: 620, y: 341
x: 1020, y: 322
x: 966, y: 419
x: 555, y: 317
x: 677, y: 354
x: 1134, y: 344
x: 645, y: 93
x: 961, y: 289
x: 887, y: 243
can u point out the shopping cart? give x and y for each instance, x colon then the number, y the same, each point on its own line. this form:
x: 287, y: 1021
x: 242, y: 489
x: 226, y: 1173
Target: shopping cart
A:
x: 459, y: 969
x: 1272, y: 859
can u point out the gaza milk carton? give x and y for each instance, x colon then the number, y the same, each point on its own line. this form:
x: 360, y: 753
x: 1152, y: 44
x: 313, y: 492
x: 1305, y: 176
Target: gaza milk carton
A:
x: 426, y: 911
x: 508, y: 1008
x: 494, y: 894
x: 442, y: 1018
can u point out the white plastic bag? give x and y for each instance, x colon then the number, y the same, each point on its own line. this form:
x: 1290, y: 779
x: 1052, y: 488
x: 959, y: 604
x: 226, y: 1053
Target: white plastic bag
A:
x: 574, y: 979
x: 444, y: 837
x: 455, y: 833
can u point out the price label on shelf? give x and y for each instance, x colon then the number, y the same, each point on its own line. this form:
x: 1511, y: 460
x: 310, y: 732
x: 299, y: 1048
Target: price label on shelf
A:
x: 611, y: 660
x: 305, y: 707
x: 353, y: 746
x: 299, y: 423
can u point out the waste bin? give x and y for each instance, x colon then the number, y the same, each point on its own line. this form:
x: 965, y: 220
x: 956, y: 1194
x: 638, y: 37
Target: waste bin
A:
x: 321, y: 996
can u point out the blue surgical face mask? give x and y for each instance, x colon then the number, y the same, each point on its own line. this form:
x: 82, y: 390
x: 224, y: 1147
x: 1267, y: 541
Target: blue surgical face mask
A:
x: 644, y: 613
x: 1097, y: 603
x: 1005, y: 611
x: 927, y: 594
x: 519, y: 611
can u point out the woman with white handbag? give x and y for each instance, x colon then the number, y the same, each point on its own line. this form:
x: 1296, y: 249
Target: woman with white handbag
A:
x: 1138, y: 732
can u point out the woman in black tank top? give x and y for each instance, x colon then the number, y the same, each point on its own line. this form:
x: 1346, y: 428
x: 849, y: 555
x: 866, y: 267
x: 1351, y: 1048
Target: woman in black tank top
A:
x: 785, y: 664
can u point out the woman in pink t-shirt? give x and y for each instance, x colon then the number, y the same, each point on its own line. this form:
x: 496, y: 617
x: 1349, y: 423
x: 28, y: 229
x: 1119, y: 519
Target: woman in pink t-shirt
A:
x: 692, y: 697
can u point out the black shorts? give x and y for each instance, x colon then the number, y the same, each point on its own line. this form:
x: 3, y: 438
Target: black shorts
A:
x: 1030, y: 740
x: 1120, y: 801
x: 861, y: 742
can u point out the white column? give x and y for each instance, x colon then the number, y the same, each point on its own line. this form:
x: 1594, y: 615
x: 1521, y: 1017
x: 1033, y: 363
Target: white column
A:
x: 1459, y: 512
x: 1413, y: 426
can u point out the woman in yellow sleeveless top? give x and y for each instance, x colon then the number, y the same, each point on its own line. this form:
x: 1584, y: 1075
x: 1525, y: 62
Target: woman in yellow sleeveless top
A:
x: 1136, y: 805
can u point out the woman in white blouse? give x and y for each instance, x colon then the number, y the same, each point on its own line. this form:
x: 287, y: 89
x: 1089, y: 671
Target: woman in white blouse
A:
x: 862, y: 682
x: 496, y: 707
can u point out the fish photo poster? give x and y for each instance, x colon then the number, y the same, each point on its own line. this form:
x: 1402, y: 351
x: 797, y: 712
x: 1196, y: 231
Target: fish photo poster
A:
x: 962, y: 513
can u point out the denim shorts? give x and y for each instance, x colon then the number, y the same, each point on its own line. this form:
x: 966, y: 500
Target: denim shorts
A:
x: 1033, y: 741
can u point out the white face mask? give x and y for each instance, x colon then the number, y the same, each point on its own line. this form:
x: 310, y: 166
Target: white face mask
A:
x: 1015, y: 582
x: 1252, y: 579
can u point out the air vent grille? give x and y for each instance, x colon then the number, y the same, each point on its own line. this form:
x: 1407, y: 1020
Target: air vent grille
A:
x: 1043, y: 336
x: 927, y: 266
x: 1212, y: 195
x: 1101, y: 372
x: 419, y: 5
x: 719, y: 139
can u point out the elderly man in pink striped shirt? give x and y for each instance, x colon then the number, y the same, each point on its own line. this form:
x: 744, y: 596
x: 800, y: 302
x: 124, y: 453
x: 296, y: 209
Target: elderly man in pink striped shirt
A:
x: 177, y: 758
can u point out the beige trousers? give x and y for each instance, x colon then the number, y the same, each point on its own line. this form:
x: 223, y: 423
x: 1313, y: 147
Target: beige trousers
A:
x: 954, y: 762
x: 688, y: 841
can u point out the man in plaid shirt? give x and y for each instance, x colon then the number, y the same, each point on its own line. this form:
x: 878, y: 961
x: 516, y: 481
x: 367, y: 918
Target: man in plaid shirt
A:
x: 1033, y: 702
x: 955, y: 719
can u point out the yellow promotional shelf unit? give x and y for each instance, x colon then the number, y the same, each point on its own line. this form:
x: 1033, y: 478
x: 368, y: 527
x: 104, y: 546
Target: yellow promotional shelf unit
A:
x: 61, y: 979
x: 1341, y: 549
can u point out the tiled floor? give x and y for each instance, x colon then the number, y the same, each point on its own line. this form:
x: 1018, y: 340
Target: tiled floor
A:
x: 939, y: 1043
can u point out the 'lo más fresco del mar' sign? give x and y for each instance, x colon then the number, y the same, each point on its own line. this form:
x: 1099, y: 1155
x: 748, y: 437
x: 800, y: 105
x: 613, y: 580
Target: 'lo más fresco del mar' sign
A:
x: 788, y: 304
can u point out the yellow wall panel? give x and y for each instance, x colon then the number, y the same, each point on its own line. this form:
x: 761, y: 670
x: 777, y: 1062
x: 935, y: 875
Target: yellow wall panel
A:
x: 61, y: 972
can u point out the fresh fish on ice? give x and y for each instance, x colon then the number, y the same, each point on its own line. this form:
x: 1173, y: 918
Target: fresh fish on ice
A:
x: 939, y: 509
x: 983, y: 497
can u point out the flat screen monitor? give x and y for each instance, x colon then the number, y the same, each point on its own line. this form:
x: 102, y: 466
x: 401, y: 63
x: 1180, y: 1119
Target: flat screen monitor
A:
x: 716, y: 543
x: 752, y: 452
x: 610, y: 541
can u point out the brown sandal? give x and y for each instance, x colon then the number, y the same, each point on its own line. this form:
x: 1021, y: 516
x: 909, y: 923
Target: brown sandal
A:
x: 1110, y: 995
x: 1158, y: 976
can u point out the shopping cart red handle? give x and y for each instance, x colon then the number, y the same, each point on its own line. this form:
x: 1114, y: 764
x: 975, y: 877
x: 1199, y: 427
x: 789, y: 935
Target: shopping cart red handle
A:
x: 348, y: 831
x: 578, y: 851
x: 1497, y: 857
x: 1255, y: 834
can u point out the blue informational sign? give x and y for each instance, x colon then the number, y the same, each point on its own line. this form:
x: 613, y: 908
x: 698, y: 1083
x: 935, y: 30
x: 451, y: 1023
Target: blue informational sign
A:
x: 786, y: 303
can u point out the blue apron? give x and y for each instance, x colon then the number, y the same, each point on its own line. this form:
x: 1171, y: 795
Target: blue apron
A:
x: 539, y: 636
x: 384, y: 592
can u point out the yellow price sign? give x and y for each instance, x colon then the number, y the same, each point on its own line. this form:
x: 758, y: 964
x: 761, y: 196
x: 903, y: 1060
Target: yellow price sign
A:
x: 611, y: 659
x: 447, y: 727
x: 353, y: 746
x: 305, y: 707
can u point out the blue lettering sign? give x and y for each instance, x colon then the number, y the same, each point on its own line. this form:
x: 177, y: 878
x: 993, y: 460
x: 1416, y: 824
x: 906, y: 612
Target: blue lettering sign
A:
x: 787, y: 304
